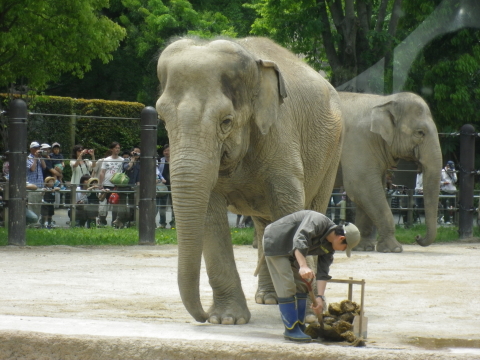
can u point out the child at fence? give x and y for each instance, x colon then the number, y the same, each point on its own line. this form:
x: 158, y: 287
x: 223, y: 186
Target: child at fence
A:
x: 94, y: 197
x: 82, y: 201
x: 47, y: 209
x: 58, y: 165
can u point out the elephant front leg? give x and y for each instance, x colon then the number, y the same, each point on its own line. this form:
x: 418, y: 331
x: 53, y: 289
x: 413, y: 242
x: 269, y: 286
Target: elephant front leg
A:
x: 367, y: 229
x: 382, y: 217
x: 265, y: 291
x: 229, y: 304
x: 387, y: 243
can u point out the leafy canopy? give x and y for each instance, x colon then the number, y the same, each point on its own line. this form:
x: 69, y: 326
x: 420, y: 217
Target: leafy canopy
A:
x: 149, y: 24
x: 41, y: 39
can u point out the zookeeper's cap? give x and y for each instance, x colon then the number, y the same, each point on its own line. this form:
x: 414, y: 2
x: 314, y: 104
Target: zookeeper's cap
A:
x: 34, y: 144
x: 352, y: 235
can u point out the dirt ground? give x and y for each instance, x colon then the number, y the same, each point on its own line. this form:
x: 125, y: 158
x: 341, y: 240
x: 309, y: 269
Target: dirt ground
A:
x: 123, y: 303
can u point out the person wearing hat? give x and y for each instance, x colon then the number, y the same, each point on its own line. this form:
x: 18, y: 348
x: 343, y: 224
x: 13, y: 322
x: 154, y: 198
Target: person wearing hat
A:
x: 286, y: 244
x: 45, y: 151
x: 48, y: 194
x: 93, y: 198
x: 35, y: 166
x: 57, y: 164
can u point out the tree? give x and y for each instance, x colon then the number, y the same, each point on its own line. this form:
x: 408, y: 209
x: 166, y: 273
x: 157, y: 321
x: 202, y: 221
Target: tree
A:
x: 357, y: 34
x: 446, y: 72
x: 131, y: 76
x: 239, y: 16
x: 41, y: 39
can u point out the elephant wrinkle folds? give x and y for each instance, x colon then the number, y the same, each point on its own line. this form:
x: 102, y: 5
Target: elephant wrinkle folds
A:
x: 261, y: 130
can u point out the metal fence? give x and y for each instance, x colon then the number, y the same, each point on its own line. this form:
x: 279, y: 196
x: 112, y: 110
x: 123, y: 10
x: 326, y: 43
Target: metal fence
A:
x: 144, y: 197
x: 16, y: 189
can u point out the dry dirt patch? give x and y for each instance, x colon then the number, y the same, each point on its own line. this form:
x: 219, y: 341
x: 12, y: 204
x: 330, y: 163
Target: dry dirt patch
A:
x: 424, y: 298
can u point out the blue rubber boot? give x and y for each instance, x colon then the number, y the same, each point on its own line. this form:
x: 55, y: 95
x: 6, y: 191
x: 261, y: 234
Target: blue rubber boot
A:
x: 301, y: 309
x: 288, y: 310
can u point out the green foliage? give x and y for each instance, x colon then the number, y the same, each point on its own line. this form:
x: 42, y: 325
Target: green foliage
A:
x: 92, y: 133
x: 126, y: 237
x: 41, y: 39
x: 100, y: 133
x: 332, y: 37
x: 444, y: 233
x: 108, y: 236
x: 241, y: 18
x: 88, y: 237
x: 294, y: 24
x: 242, y: 236
x: 446, y: 73
x: 149, y: 24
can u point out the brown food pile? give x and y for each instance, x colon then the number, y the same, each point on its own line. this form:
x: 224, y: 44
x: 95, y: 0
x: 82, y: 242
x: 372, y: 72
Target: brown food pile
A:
x: 337, y: 324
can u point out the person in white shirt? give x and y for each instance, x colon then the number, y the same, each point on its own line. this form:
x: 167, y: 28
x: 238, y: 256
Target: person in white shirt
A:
x: 447, y: 187
x: 110, y: 166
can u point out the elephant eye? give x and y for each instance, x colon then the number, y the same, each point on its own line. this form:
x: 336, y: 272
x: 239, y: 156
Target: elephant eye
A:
x: 420, y: 133
x: 226, y: 123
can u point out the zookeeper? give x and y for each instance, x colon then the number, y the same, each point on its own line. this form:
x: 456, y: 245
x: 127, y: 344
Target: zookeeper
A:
x: 286, y: 243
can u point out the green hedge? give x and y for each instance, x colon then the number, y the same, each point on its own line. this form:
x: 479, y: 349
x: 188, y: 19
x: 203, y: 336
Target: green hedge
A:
x: 95, y: 134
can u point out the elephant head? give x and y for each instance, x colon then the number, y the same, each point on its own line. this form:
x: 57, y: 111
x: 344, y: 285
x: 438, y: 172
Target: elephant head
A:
x: 213, y: 97
x: 405, y: 123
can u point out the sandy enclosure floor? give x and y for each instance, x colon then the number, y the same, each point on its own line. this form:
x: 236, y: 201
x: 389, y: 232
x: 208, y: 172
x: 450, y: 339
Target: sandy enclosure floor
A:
x: 123, y: 302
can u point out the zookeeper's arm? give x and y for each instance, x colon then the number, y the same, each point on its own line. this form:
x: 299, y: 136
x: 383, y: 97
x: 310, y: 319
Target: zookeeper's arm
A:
x: 305, y: 272
x: 321, y: 285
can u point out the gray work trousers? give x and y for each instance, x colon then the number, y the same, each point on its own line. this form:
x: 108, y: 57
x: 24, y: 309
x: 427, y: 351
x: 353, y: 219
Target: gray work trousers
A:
x: 286, y: 279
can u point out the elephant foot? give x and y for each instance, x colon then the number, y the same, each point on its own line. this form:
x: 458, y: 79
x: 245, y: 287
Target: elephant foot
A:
x: 389, y: 247
x: 235, y: 314
x: 365, y: 245
x: 266, y: 297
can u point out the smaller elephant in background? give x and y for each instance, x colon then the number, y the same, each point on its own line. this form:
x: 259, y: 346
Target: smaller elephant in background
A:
x: 380, y: 130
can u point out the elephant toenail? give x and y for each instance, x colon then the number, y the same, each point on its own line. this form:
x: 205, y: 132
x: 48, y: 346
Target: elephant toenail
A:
x: 213, y: 320
x: 228, y: 321
x: 241, y: 321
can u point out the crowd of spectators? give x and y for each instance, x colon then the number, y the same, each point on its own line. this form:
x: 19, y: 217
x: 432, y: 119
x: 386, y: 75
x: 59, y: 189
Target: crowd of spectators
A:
x: 95, y: 195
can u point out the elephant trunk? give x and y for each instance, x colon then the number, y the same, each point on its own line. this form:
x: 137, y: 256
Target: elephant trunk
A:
x: 431, y: 190
x: 190, y: 194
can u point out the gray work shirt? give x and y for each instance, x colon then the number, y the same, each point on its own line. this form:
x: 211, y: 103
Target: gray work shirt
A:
x: 306, y: 231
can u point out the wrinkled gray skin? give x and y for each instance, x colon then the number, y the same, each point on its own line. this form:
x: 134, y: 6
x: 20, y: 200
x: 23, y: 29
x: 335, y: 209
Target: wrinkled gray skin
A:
x: 252, y: 129
x: 380, y: 130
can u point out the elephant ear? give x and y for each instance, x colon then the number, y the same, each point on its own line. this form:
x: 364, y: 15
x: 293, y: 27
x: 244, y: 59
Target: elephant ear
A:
x: 383, y: 121
x: 271, y: 92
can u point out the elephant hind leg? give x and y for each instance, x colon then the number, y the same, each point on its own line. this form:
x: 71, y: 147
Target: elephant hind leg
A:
x: 368, y: 231
x: 265, y: 293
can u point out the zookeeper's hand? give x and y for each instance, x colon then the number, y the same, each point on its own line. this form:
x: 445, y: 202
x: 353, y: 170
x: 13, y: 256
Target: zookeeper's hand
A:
x: 318, y: 310
x: 306, y: 273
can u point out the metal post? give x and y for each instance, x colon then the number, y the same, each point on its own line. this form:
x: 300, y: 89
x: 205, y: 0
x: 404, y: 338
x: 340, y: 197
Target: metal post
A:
x: 73, y: 129
x: 136, y: 196
x: 148, y: 145
x: 466, y: 181
x: 17, y: 157
x: 411, y: 202
x: 73, y: 202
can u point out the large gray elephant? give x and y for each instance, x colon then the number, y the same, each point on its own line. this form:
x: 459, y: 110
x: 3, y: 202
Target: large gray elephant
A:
x: 253, y: 129
x: 380, y: 130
